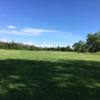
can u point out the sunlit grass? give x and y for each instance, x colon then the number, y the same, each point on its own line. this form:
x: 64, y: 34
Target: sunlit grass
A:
x: 47, y: 75
x: 47, y: 55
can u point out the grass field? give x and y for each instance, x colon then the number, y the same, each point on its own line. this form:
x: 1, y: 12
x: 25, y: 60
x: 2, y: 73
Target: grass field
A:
x: 46, y: 75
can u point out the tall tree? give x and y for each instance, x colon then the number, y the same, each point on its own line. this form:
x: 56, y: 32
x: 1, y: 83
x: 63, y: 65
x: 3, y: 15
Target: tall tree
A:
x: 93, y: 42
x: 80, y: 46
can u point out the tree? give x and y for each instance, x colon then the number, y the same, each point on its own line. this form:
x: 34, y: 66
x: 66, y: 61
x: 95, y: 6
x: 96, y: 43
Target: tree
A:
x: 80, y: 46
x: 93, y: 42
x: 68, y: 48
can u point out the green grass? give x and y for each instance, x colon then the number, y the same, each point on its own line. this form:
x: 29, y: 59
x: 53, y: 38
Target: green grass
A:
x: 46, y: 75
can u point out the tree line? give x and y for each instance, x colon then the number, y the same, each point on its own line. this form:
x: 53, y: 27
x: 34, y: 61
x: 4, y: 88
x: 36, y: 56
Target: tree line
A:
x: 20, y: 46
x: 92, y: 44
x: 16, y: 46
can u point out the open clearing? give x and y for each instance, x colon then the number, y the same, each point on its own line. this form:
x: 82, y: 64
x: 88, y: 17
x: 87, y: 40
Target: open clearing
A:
x: 47, y: 75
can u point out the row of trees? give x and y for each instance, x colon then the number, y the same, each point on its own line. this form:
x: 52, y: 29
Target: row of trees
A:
x: 13, y: 45
x: 92, y: 44
x: 68, y: 48
x: 20, y: 46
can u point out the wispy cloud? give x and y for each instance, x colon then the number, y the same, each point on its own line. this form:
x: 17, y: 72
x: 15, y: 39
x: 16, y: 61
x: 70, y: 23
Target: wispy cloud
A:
x: 5, y: 40
x: 27, y: 31
x: 36, y: 31
x: 28, y: 43
x: 11, y: 27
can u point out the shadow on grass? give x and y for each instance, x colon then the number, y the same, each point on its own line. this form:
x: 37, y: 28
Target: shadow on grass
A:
x: 44, y: 80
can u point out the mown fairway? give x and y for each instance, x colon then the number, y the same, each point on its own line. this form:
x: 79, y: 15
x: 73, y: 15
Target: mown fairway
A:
x: 44, y: 75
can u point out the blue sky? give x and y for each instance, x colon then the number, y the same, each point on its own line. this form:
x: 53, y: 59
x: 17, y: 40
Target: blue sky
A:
x: 48, y: 22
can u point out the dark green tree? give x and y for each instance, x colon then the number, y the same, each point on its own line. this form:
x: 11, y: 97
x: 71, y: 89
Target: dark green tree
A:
x: 93, y: 42
x: 80, y: 46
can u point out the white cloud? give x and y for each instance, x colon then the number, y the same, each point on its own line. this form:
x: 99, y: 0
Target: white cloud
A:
x: 47, y: 45
x: 11, y: 27
x: 28, y: 43
x: 5, y: 40
x: 40, y: 44
x: 36, y: 31
x: 26, y: 31
x: 33, y: 30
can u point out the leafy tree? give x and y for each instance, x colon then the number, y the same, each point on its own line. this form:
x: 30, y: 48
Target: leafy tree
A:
x: 80, y: 46
x: 68, y: 48
x: 93, y: 42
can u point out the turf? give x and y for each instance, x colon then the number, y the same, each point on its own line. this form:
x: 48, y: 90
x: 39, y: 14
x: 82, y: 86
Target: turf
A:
x: 47, y: 75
